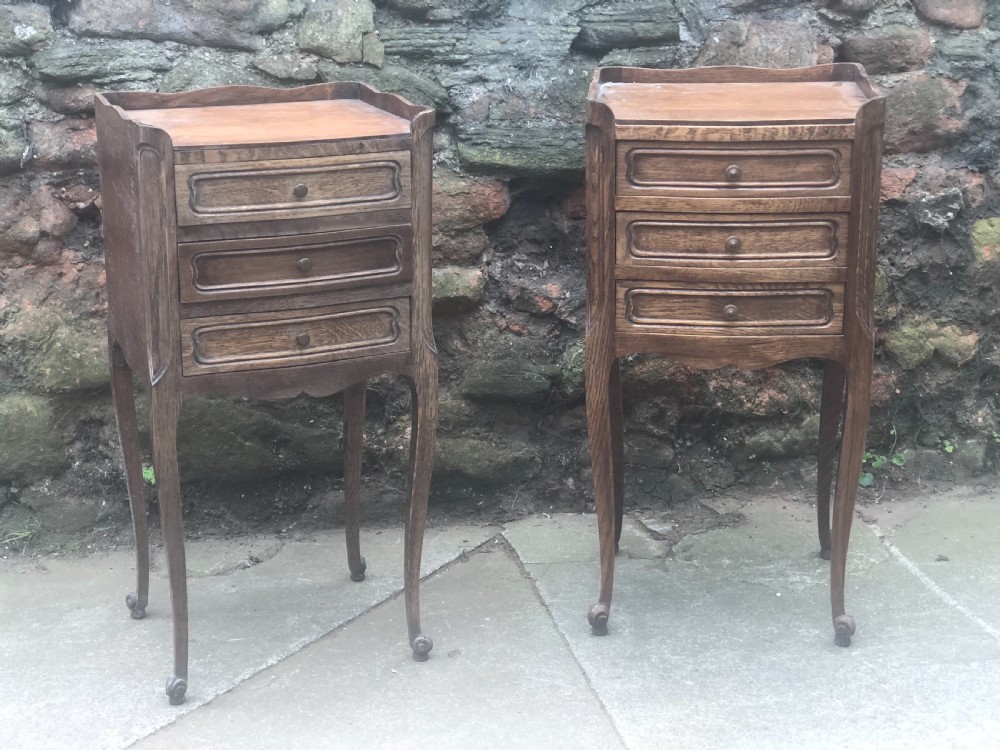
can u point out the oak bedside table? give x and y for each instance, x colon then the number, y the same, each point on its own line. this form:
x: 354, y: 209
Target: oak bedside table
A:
x: 732, y: 220
x: 266, y: 243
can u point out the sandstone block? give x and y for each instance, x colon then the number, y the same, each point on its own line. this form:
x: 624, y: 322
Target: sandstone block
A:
x: 71, y: 142
x: 959, y: 14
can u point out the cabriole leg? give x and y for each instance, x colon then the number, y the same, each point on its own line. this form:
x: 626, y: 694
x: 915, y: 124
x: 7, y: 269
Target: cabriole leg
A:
x: 354, y: 423
x: 123, y: 397
x: 829, y: 422
x: 851, y: 452
x: 423, y: 395
x: 617, y: 447
x: 165, y: 408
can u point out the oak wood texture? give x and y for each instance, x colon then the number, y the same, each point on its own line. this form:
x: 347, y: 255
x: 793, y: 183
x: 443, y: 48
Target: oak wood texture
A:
x: 234, y: 269
x: 292, y: 188
x: 266, y: 243
x: 732, y: 220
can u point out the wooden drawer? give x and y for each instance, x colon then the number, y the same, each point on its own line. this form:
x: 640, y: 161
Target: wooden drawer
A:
x: 236, y: 269
x: 741, y: 309
x: 226, y: 343
x: 725, y: 240
x: 291, y: 188
x: 732, y: 170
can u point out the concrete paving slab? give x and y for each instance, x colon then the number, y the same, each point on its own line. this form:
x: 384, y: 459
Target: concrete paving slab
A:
x: 950, y: 540
x: 728, y: 644
x: 79, y: 673
x: 500, y: 675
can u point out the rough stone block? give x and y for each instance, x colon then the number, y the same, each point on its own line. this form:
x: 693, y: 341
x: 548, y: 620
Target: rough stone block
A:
x: 923, y: 113
x: 457, y: 289
x: 960, y: 14
x: 761, y: 43
x: 101, y: 61
x: 521, y: 148
x: 221, y: 23
x: 890, y: 49
x: 939, y: 210
x: 475, y: 463
x: 986, y: 239
x: 623, y: 25
x: 31, y: 446
x: 24, y: 29
x: 335, y: 29
x: 513, y: 380
x: 286, y: 66
x: 206, y: 71
x: 394, y: 79
x: 71, y: 142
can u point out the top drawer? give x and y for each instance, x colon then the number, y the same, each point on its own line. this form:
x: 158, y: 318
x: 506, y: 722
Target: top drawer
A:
x: 291, y: 188
x: 733, y: 170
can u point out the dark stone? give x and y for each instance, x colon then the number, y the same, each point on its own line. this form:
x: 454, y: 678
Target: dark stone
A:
x: 923, y: 113
x: 221, y: 23
x: 69, y: 100
x: 394, y: 79
x: 14, y: 147
x: 761, y: 43
x: 938, y: 211
x: 30, y: 444
x: 199, y: 72
x: 648, y: 452
x: 522, y: 149
x: 517, y: 381
x: 461, y: 462
x: 14, y: 84
x: 59, y: 507
x: 446, y: 10
x: 853, y: 7
x: 100, y: 61
x: 890, y: 49
x: 24, y: 29
x: 644, y: 23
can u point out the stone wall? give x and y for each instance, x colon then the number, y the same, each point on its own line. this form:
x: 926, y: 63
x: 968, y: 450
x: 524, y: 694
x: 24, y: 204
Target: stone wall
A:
x: 508, y: 78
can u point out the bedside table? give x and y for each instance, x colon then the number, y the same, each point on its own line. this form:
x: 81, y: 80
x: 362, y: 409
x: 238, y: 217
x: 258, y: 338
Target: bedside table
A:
x: 732, y: 219
x: 266, y: 243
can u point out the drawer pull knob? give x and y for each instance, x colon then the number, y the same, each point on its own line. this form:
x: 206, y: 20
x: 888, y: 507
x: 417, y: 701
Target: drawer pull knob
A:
x: 733, y: 244
x: 301, y: 190
x: 733, y: 172
x: 729, y: 312
x: 305, y: 264
x: 303, y: 339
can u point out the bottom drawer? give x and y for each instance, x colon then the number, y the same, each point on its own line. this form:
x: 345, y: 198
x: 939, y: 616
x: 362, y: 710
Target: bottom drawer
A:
x: 254, y: 341
x: 740, y: 309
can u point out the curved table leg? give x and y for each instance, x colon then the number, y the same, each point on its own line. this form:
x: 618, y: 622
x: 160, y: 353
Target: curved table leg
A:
x: 123, y: 397
x: 164, y: 412
x: 829, y: 422
x: 859, y: 378
x: 423, y: 390
x: 617, y: 447
x: 600, y: 367
x: 354, y: 424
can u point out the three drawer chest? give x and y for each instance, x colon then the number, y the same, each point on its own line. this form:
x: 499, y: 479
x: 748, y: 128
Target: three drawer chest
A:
x: 732, y: 220
x: 266, y: 243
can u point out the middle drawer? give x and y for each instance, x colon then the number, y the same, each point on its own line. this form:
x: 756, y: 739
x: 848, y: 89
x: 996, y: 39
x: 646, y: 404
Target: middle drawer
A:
x: 725, y: 240
x: 249, y: 268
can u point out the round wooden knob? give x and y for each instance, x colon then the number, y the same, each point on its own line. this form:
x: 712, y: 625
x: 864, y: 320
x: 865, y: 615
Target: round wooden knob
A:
x: 305, y: 264
x: 729, y: 312
x: 303, y: 339
x: 733, y: 244
x: 733, y: 172
x: 301, y: 190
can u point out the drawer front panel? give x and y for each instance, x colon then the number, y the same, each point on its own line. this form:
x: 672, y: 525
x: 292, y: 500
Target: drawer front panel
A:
x: 237, y: 269
x: 650, y: 239
x: 226, y: 343
x: 292, y: 188
x: 771, y: 169
x: 745, y: 309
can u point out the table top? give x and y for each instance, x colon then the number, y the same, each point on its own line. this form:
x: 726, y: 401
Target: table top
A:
x: 733, y: 103
x: 272, y: 122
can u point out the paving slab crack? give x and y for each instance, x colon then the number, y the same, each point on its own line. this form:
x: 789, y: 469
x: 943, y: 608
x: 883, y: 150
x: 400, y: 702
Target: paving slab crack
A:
x: 929, y: 583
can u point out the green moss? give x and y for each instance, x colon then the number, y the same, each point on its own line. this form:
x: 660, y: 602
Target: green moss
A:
x: 916, y: 340
x: 986, y: 239
x: 30, y: 445
x: 457, y: 289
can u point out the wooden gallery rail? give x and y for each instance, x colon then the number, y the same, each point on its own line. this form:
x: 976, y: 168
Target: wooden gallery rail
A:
x: 732, y: 220
x: 266, y: 243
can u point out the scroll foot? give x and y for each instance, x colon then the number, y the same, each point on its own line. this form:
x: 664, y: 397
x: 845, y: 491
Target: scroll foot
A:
x: 176, y: 690
x: 421, y: 646
x: 358, y: 573
x: 598, y: 618
x: 132, y: 602
x: 844, y: 628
